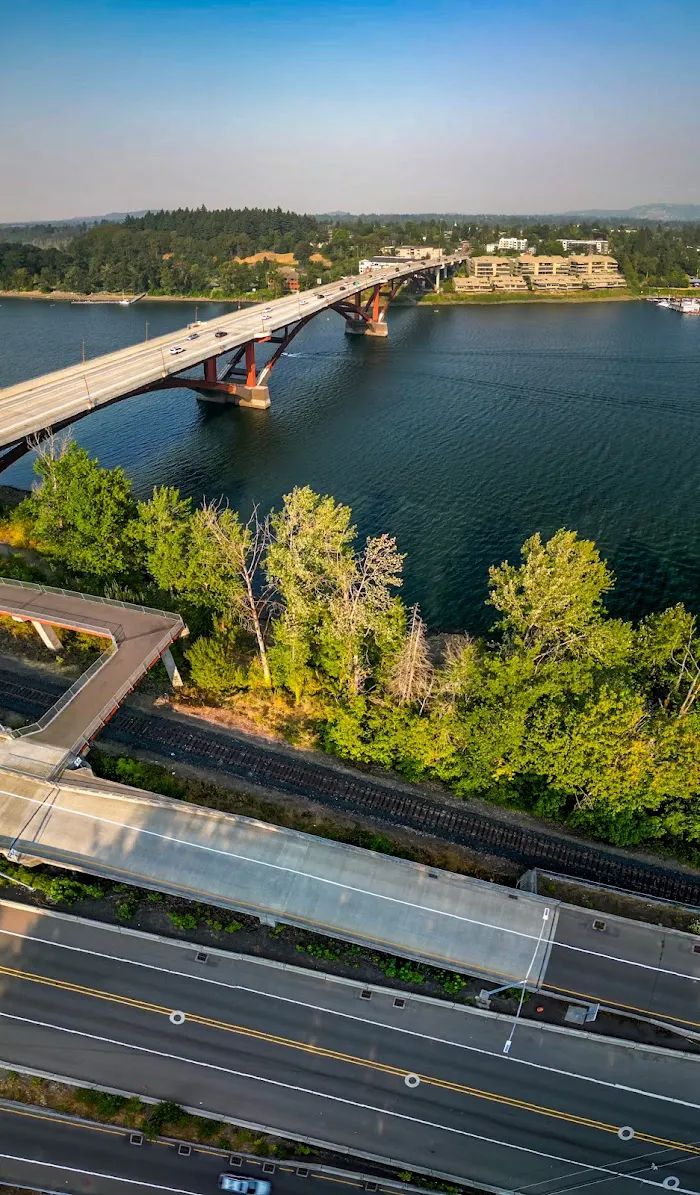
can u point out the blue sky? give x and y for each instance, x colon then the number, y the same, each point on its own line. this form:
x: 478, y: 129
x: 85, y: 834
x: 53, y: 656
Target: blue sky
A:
x: 460, y: 105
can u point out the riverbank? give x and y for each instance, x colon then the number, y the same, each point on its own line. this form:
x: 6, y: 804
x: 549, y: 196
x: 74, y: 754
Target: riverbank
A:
x: 451, y: 299
x: 106, y: 298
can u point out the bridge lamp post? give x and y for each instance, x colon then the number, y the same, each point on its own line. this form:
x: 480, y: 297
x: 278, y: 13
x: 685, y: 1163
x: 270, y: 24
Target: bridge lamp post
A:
x: 523, y: 989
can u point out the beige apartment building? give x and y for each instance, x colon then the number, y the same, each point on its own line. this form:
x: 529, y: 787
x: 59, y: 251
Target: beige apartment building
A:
x: 471, y: 285
x: 540, y: 267
x: 491, y: 267
x: 413, y: 252
x: 539, y: 273
x: 596, y: 270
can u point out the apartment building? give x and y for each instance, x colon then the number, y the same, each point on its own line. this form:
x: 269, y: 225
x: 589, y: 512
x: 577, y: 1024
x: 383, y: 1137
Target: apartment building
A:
x: 596, y: 269
x: 600, y: 245
x: 471, y: 284
x: 534, y: 266
x: 492, y: 267
x: 413, y: 252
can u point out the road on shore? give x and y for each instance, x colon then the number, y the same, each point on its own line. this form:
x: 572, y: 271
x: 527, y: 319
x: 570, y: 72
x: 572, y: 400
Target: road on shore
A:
x: 43, y: 1149
x: 399, y: 1078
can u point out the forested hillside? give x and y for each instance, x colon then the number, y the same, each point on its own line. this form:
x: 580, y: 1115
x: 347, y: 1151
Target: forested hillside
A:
x: 199, y: 252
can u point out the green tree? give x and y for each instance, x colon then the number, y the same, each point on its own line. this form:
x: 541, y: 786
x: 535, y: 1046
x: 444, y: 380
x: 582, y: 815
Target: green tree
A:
x: 84, y: 515
x: 553, y: 600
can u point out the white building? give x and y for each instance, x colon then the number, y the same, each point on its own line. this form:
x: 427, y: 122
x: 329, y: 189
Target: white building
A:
x: 507, y: 243
x: 600, y: 245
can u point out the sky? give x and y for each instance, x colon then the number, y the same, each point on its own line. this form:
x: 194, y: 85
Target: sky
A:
x: 325, y: 105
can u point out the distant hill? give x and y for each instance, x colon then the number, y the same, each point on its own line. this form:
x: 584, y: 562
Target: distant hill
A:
x: 652, y: 212
x: 660, y: 212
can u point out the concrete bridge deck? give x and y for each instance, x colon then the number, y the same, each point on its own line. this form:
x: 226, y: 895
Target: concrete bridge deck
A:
x: 135, y: 637
x: 57, y: 399
x: 383, y: 903
x: 277, y: 874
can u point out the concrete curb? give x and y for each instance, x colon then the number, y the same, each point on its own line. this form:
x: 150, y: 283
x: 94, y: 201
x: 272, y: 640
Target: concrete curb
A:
x: 268, y: 1130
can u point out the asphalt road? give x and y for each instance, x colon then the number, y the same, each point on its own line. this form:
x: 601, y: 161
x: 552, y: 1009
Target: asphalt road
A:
x: 42, y: 1149
x: 307, y: 1056
x: 29, y: 407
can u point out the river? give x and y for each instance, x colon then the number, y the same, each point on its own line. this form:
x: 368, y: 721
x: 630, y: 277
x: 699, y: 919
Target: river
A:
x: 464, y: 432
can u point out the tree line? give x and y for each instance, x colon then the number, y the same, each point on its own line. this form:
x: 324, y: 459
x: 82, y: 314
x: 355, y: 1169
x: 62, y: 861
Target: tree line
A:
x: 197, y: 252
x: 561, y: 709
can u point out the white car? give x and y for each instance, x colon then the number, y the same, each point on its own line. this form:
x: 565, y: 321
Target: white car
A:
x: 177, y: 348
x: 244, y: 1186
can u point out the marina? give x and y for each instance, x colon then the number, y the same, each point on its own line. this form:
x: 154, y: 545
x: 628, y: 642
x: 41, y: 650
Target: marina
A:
x: 685, y: 306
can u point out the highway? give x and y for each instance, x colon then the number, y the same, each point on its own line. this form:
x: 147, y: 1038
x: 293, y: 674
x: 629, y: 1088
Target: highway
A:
x: 30, y: 407
x: 43, y: 1149
x: 427, y: 1086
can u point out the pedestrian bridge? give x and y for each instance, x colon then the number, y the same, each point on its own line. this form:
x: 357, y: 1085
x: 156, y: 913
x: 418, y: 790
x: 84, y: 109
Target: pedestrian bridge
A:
x: 31, y: 410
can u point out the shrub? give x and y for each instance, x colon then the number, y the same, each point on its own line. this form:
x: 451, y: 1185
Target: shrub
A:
x: 213, y: 664
x: 184, y: 920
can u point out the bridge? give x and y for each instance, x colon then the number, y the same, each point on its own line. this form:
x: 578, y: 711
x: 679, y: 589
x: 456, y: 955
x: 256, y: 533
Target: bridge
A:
x: 31, y: 410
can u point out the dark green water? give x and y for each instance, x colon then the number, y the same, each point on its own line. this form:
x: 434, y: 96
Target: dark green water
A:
x: 463, y: 433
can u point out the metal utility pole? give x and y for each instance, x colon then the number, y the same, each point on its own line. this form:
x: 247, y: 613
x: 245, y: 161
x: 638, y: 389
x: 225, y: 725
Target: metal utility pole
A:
x: 146, y: 329
x: 83, y: 352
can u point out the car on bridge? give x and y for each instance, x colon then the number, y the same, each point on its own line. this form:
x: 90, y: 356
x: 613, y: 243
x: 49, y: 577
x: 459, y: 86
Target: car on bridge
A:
x: 220, y: 333
x: 176, y: 348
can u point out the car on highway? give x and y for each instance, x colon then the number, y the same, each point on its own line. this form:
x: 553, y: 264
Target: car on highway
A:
x: 177, y: 348
x: 342, y: 288
x: 193, y: 336
x: 244, y: 1186
x: 219, y: 334
x: 319, y: 296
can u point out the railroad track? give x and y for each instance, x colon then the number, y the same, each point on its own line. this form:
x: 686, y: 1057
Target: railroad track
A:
x: 358, y: 794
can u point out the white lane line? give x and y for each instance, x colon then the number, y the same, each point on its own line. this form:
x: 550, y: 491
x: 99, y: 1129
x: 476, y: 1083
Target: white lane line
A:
x: 198, y: 846
x: 336, y: 1099
x: 348, y: 1016
x: 115, y: 1178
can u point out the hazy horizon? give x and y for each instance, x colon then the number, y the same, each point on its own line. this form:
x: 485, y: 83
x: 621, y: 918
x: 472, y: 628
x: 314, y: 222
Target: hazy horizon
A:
x: 468, y: 106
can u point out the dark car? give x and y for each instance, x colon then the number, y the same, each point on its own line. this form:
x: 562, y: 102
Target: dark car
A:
x: 220, y: 334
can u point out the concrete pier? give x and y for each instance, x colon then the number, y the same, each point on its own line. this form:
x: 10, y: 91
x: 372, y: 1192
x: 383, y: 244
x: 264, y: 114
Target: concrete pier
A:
x: 367, y: 328
x: 237, y: 394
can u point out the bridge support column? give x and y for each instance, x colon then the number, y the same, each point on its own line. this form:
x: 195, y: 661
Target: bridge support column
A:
x: 171, y: 668
x: 47, y: 635
x: 239, y: 394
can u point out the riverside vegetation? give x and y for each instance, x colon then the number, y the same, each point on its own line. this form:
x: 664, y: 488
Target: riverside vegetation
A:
x: 207, y: 254
x: 563, y: 710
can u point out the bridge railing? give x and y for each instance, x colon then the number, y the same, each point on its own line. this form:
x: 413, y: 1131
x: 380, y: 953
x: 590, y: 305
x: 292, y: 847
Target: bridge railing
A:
x: 60, y: 704
x: 118, y: 696
x: 88, y: 597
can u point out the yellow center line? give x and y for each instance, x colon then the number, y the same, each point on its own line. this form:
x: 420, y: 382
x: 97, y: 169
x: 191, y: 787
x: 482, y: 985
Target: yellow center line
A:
x: 339, y: 1056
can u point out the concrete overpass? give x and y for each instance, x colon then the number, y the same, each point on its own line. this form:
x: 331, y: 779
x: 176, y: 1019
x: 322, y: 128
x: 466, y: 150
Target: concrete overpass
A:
x: 30, y: 410
x: 135, y: 638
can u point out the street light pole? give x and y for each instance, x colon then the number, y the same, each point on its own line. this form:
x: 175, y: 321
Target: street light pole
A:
x: 83, y: 352
x: 146, y: 329
x: 545, y: 919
